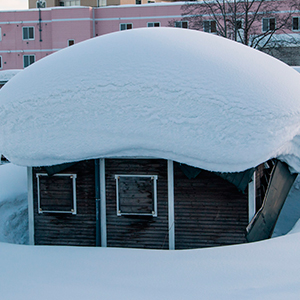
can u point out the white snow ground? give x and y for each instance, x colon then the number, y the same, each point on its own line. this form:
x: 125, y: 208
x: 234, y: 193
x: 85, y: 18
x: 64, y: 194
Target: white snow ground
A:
x: 263, y: 270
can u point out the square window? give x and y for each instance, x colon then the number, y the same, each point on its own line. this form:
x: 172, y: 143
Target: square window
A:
x: 71, y: 42
x: 210, y: 26
x: 28, y: 60
x: 268, y: 24
x: 136, y: 195
x: 57, y: 193
x: 181, y: 24
x: 28, y: 33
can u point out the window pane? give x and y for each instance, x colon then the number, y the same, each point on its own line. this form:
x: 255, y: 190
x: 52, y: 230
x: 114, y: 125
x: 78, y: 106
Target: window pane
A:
x: 32, y: 59
x: 25, y: 61
x: 272, y: 24
x: 25, y: 33
x: 296, y: 23
x: 31, y: 33
x: 184, y: 24
x: 265, y: 24
x: 213, y: 26
x: 122, y: 27
x: 206, y: 26
x: 129, y: 26
x: 150, y: 24
x: 156, y: 24
x: 178, y: 24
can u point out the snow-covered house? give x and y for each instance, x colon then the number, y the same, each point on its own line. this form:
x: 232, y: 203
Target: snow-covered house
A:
x: 154, y: 138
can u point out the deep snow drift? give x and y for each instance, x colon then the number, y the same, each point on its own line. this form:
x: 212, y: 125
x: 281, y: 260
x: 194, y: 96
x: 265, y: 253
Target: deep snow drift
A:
x: 161, y: 92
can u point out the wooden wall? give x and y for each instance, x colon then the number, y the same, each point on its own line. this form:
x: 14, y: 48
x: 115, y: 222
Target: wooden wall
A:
x: 68, y: 229
x: 209, y: 211
x: 137, y: 231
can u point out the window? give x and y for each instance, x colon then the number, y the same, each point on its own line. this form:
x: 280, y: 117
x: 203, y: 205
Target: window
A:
x: 61, y: 3
x: 28, y: 33
x: 182, y: 24
x: 138, y: 1
x: 0, y: 35
x: 136, y: 195
x: 56, y: 193
x: 72, y: 3
x: 125, y: 26
x: 71, y: 42
x: 0, y: 62
x: 28, y: 60
x: 153, y: 24
x: 268, y: 24
x: 296, y: 23
x: 102, y: 3
x: 239, y: 24
x: 210, y: 26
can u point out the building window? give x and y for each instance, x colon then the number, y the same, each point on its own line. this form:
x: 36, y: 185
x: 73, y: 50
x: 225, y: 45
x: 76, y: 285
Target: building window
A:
x: 153, y: 24
x: 136, y: 195
x: 125, y: 26
x: 0, y: 34
x: 268, y: 24
x: 28, y: 33
x: 138, y: 1
x: 102, y: 3
x: 61, y: 3
x: 56, y: 193
x: 182, y: 24
x: 28, y: 60
x: 72, y: 3
x: 1, y: 62
x: 71, y: 42
x: 210, y: 26
x: 41, y: 4
x: 296, y: 23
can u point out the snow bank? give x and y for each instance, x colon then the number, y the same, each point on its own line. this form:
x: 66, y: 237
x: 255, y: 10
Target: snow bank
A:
x: 161, y: 92
x: 6, y: 75
x: 13, y: 204
x: 264, y: 270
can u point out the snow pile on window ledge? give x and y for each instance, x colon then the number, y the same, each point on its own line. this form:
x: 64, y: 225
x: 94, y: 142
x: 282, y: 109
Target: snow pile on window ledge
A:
x: 154, y: 92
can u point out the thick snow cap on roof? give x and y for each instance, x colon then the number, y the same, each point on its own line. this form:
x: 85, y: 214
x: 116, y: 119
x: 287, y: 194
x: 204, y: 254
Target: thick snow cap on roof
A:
x: 154, y: 92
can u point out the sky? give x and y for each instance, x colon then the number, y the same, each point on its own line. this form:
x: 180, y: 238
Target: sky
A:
x: 13, y: 4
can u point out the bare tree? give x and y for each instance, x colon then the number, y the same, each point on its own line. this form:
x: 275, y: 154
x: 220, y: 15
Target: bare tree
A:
x: 257, y: 23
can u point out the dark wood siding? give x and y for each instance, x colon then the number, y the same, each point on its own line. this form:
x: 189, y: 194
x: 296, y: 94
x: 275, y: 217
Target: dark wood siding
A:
x: 68, y: 229
x: 137, y: 231
x: 209, y: 211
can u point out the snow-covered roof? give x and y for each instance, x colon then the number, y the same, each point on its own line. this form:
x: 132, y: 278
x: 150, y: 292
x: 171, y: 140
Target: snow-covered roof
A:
x: 153, y: 92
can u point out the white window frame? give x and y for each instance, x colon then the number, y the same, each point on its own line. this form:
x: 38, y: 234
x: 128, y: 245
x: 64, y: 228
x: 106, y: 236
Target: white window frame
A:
x: 180, y: 22
x: 69, y: 3
x: 126, y: 26
x: 29, y: 38
x: 262, y: 25
x: 153, y: 24
x: 28, y: 55
x: 0, y: 34
x: 72, y: 211
x: 296, y: 30
x: 154, y: 212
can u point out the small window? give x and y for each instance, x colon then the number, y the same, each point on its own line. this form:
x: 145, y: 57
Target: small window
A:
x: 296, y: 24
x: 1, y: 62
x: 57, y: 193
x: 71, y: 42
x: 182, y: 24
x: 125, y: 26
x: 239, y: 24
x: 102, y: 3
x: 61, y: 3
x: 72, y: 3
x: 28, y: 60
x: 153, y: 24
x: 210, y: 26
x: 28, y: 33
x: 268, y: 24
x: 136, y: 195
x: 138, y: 1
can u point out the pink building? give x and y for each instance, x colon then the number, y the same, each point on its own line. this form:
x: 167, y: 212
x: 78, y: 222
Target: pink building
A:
x: 29, y: 35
